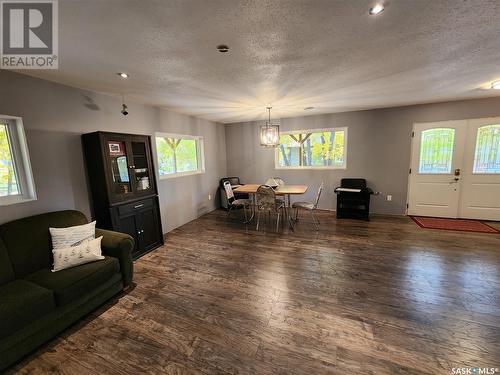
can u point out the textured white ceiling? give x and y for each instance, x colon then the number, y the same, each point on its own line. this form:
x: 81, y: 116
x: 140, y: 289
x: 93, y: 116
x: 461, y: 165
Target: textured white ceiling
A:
x: 329, y: 54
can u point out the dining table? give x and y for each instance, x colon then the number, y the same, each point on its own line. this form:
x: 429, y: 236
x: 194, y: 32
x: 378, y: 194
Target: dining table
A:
x: 282, y: 190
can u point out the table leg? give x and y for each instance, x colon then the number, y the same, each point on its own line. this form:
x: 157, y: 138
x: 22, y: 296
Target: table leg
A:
x: 289, y: 211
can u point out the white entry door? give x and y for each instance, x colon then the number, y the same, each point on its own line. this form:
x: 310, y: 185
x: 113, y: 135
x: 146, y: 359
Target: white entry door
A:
x: 480, y: 198
x: 455, y: 169
x: 435, y: 174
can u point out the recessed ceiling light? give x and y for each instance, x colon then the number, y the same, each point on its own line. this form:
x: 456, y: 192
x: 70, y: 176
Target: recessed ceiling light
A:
x: 377, y: 9
x: 308, y: 108
x: 123, y: 75
x: 223, y: 48
x: 495, y: 85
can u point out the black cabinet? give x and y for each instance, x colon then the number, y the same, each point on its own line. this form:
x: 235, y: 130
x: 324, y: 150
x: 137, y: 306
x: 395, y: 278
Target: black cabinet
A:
x: 141, y: 220
x: 123, y: 186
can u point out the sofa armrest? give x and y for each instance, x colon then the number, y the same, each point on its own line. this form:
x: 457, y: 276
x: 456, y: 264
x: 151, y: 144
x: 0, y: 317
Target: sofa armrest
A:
x: 118, y: 245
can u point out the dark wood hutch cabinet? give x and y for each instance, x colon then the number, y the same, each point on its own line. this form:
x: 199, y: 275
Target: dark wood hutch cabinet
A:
x: 123, y: 185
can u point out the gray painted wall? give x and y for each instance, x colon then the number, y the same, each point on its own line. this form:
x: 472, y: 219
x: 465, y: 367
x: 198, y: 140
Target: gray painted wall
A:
x: 378, y: 149
x: 54, y: 118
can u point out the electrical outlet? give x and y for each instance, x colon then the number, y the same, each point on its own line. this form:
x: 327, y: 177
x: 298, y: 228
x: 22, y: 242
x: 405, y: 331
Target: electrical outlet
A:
x: 209, y: 197
x: 389, y: 198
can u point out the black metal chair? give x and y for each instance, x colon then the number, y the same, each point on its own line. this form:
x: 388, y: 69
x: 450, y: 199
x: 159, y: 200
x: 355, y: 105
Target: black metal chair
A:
x: 235, y: 182
x: 353, y: 199
x: 236, y: 203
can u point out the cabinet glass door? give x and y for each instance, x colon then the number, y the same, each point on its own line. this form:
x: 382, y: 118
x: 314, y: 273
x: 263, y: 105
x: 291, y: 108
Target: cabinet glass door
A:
x: 141, y: 167
x: 117, y: 156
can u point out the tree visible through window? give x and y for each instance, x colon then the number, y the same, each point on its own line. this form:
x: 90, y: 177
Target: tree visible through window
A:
x: 312, y: 149
x: 8, y: 179
x: 487, y: 154
x: 436, y: 150
x: 178, y: 154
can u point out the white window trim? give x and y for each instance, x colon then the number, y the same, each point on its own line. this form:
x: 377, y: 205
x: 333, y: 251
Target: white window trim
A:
x: 276, y: 153
x: 200, y: 155
x: 22, y: 162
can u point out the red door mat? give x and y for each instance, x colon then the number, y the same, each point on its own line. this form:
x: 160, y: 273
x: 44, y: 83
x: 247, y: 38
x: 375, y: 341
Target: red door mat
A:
x: 454, y: 224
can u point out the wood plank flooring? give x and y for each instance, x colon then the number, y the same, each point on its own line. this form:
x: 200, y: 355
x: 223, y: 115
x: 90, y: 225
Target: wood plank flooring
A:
x: 379, y: 297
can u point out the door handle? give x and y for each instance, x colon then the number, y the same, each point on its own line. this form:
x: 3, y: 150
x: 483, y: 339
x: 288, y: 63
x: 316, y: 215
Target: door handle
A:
x: 455, y: 180
x: 139, y: 206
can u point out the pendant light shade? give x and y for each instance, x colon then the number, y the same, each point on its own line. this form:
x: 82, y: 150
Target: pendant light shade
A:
x: 269, y: 133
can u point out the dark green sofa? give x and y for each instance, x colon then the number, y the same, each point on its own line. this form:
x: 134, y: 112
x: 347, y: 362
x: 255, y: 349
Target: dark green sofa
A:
x: 35, y: 303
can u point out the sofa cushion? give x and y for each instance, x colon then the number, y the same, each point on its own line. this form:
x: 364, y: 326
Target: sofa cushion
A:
x: 22, y: 302
x: 6, y: 271
x: 72, y: 283
x: 28, y: 240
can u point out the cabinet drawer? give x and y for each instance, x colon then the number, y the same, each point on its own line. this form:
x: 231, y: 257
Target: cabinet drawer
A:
x: 128, y: 208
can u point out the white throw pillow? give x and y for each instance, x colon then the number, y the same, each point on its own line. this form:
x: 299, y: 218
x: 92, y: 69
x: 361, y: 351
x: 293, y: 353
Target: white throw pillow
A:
x: 88, y: 251
x: 72, y: 236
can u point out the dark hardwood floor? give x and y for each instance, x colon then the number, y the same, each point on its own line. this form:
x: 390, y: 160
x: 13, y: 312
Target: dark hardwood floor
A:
x: 379, y: 297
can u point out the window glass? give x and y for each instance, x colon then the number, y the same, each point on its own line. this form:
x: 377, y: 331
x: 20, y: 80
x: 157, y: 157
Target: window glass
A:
x: 487, y: 154
x: 8, y: 179
x: 436, y: 150
x: 179, y: 155
x: 312, y: 149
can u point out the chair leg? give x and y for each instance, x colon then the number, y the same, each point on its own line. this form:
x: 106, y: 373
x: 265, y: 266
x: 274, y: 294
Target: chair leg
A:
x: 277, y: 222
x: 245, y: 212
x: 316, y: 225
x: 297, y: 214
x: 258, y: 220
x: 229, y: 211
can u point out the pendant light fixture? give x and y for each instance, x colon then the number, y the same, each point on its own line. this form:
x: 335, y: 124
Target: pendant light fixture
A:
x: 269, y: 133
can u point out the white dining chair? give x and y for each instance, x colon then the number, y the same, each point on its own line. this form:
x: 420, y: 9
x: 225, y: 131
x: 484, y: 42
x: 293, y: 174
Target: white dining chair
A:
x: 311, y: 207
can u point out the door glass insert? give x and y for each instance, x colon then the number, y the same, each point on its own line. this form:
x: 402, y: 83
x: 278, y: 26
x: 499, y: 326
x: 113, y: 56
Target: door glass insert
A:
x: 119, y: 167
x: 487, y: 154
x: 436, y: 150
x: 141, y: 168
